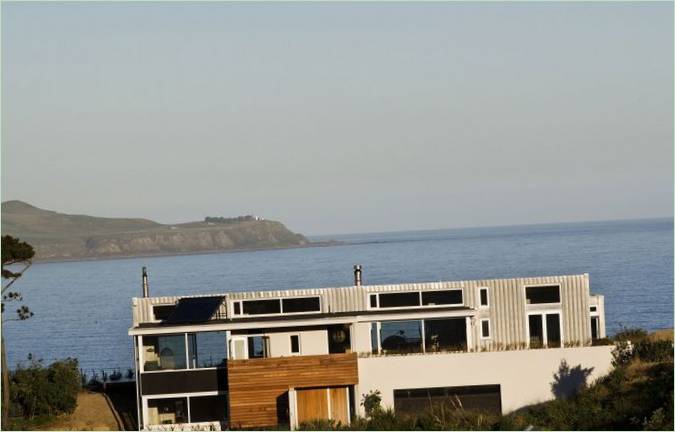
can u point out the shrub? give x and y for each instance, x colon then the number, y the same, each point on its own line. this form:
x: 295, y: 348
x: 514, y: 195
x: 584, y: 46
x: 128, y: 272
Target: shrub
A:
x: 371, y: 402
x: 39, y: 391
x: 622, y: 354
x: 654, y: 351
x: 630, y: 334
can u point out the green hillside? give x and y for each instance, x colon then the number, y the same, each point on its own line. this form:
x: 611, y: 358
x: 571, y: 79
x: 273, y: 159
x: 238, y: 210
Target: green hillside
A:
x: 62, y: 236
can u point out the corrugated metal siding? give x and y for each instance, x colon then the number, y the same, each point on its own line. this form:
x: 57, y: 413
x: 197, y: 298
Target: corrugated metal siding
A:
x: 507, y: 310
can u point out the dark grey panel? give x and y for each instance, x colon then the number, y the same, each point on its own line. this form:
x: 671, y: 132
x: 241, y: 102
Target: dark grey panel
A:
x: 485, y: 398
x: 184, y: 381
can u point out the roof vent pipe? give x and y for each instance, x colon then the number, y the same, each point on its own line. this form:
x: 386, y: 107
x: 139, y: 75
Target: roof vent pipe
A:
x: 145, y: 283
x: 357, y: 275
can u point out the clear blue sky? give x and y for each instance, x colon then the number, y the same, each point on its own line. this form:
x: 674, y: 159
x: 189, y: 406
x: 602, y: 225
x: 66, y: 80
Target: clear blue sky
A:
x: 341, y: 117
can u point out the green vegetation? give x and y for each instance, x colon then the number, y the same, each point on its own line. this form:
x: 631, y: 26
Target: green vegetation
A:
x: 60, y: 236
x: 16, y: 259
x: 39, y: 391
x: 636, y: 395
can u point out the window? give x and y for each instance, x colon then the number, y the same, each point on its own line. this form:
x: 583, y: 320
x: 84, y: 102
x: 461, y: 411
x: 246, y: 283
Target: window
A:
x: 401, y: 336
x: 595, y: 327
x: 485, y: 329
x: 544, y: 330
x: 262, y: 307
x: 164, y: 352
x: 208, y: 408
x: 277, y: 306
x: 553, y: 330
x: 445, y: 334
x: 339, y: 338
x: 594, y: 308
x: 304, y: 304
x: 404, y: 299
x: 207, y: 349
x: 163, y: 312
x: 295, y: 344
x: 167, y: 411
x: 486, y: 398
x: 536, y: 331
x: 373, y: 338
x: 542, y: 294
x: 258, y: 347
x: 447, y: 297
x: 373, y: 300
x: 484, y: 300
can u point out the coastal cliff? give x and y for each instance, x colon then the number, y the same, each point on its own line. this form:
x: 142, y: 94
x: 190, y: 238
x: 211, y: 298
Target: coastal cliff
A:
x: 57, y: 236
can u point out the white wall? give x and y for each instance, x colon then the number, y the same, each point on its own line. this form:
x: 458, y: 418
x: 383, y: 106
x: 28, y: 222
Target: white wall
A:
x: 311, y: 342
x: 361, y: 337
x: 525, y: 376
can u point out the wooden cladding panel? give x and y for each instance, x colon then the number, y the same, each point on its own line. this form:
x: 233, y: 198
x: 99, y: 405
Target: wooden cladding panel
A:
x: 338, y: 404
x: 312, y: 404
x: 256, y: 385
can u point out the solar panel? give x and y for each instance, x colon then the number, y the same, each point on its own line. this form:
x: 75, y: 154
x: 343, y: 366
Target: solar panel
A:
x: 195, y: 309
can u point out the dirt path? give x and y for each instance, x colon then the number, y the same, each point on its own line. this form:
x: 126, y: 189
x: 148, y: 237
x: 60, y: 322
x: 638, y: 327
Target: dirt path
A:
x: 92, y: 413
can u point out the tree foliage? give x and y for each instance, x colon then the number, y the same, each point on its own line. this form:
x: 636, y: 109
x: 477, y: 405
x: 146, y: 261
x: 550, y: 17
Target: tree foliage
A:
x: 45, y: 391
x: 15, y: 252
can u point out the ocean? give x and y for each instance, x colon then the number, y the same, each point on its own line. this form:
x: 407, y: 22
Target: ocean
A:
x: 83, y: 309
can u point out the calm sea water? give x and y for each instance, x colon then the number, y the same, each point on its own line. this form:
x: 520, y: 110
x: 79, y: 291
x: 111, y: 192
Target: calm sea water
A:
x: 83, y: 309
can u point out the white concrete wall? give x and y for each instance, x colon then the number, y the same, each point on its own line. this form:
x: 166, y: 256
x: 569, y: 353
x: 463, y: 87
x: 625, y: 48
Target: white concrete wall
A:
x: 525, y: 376
x: 311, y: 342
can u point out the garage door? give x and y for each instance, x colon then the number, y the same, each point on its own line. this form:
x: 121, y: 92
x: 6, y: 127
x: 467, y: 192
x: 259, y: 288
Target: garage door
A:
x: 486, y: 398
x: 323, y: 403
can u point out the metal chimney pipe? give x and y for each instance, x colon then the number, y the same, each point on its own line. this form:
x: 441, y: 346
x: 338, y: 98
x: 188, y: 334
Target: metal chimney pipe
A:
x: 145, y: 283
x: 357, y: 275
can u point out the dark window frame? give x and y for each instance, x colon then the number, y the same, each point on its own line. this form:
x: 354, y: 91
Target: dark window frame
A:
x: 485, y: 290
x: 295, y: 347
x: 482, y: 329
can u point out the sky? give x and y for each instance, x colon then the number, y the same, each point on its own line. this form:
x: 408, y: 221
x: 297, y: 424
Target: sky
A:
x: 340, y: 117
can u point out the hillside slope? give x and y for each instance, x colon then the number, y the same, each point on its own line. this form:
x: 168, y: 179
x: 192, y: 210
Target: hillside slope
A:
x: 57, y: 236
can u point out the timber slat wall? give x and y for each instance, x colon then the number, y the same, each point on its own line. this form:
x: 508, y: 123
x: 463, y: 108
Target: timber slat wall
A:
x: 255, y: 384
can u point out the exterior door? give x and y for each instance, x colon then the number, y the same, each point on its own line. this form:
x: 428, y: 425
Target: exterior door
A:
x: 323, y: 404
x: 312, y: 404
x: 238, y: 347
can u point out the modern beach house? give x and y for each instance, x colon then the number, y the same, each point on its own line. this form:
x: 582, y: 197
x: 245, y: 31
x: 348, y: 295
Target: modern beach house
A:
x: 271, y: 358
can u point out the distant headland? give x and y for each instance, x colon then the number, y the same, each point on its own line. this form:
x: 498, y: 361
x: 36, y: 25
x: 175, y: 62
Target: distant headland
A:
x: 57, y: 236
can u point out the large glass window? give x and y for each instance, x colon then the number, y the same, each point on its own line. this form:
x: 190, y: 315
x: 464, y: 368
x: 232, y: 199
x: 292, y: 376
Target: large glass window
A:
x: 262, y: 307
x: 485, y: 398
x: 208, y: 408
x: 207, y: 349
x: 445, y: 297
x: 404, y: 299
x: 401, y: 336
x: 258, y: 346
x: 163, y: 312
x: 164, y: 352
x: 544, y: 330
x: 553, y: 330
x: 304, y: 304
x: 536, y: 331
x: 167, y: 411
x: 373, y: 338
x: 445, y: 334
x: 542, y: 294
